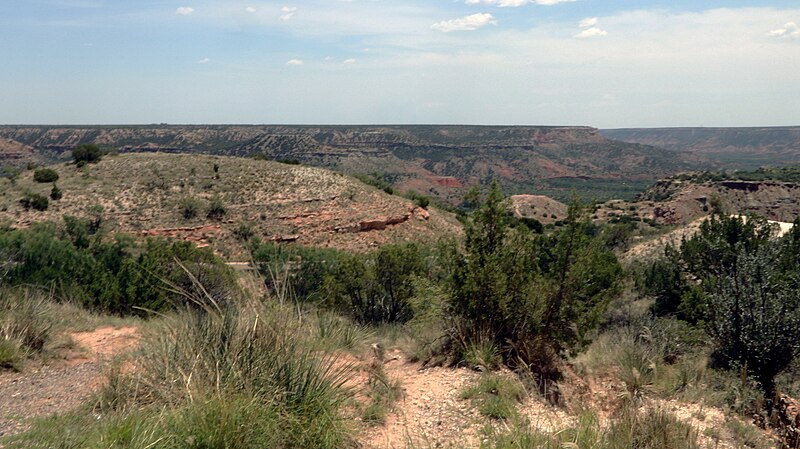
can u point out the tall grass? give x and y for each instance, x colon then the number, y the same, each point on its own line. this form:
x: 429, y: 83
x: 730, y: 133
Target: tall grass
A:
x: 234, y: 375
x: 27, y: 319
x: 648, y: 428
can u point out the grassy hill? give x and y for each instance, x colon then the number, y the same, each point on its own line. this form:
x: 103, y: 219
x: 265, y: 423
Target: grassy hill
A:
x: 441, y: 161
x: 149, y: 194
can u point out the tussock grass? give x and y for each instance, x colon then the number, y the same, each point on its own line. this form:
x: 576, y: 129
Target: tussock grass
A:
x: 239, y: 375
x: 648, y: 428
x: 496, y: 396
x: 27, y: 318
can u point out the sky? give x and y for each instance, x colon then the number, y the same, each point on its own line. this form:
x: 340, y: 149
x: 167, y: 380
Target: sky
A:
x: 602, y: 63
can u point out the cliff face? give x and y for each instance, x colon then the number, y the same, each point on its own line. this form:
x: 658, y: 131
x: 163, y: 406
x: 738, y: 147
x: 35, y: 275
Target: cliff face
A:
x: 678, y: 202
x: 741, y: 148
x: 525, y: 159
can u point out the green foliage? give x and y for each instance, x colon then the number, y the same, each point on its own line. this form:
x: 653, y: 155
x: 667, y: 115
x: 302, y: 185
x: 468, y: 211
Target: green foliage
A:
x: 302, y: 269
x: 55, y: 193
x: 34, y: 201
x: 376, y: 180
x: 243, y: 232
x: 87, y: 153
x: 754, y: 316
x: 650, y: 428
x: 536, y: 296
x: 112, y: 276
x: 26, y: 322
x: 45, y: 175
x: 189, y: 208
x: 788, y: 173
x: 213, y: 376
x: 216, y: 208
x: 713, y: 251
x: 418, y: 199
x: 496, y: 396
x: 376, y: 288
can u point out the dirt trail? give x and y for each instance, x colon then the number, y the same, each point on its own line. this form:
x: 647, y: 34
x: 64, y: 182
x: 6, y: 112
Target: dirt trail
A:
x: 432, y: 414
x: 44, y: 389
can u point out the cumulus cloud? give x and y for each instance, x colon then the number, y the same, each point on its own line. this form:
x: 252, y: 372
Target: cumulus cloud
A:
x: 590, y: 28
x: 294, y: 62
x: 204, y: 61
x: 789, y: 30
x: 515, y: 3
x: 288, y: 12
x: 349, y: 61
x: 468, y: 23
x: 184, y: 10
x: 250, y: 9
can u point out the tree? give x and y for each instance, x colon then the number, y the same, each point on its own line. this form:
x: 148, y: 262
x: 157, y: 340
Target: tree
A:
x: 376, y: 288
x: 754, y: 315
x: 87, y: 154
x: 45, y: 175
x: 55, y: 193
x: 34, y: 201
x: 534, y: 296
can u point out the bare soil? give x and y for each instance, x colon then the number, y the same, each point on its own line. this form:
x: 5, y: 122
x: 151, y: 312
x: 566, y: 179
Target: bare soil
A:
x: 56, y: 386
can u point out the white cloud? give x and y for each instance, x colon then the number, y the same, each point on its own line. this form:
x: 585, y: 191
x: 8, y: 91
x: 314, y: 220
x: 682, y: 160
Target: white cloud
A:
x: 288, y: 12
x: 515, y: 3
x: 590, y: 28
x: 294, y: 62
x: 591, y: 32
x: 349, y: 61
x: 204, y: 61
x: 468, y: 23
x: 789, y: 30
x: 184, y: 10
x: 250, y: 9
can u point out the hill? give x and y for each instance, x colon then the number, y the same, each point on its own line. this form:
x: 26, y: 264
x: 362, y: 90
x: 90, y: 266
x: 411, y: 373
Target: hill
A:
x: 149, y: 194
x: 441, y: 161
x: 741, y: 148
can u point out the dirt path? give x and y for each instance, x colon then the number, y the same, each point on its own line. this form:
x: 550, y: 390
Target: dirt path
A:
x: 432, y: 413
x: 44, y: 389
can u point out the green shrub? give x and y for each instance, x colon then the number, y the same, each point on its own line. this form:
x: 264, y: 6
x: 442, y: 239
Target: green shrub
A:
x: 86, y: 153
x: 113, y: 276
x: 189, y: 208
x: 55, y: 193
x: 418, y: 199
x: 216, y: 209
x: 299, y: 269
x: 536, y: 296
x: 375, y: 180
x: 244, y: 232
x: 754, y: 316
x: 376, y: 288
x: 34, y: 201
x: 45, y: 175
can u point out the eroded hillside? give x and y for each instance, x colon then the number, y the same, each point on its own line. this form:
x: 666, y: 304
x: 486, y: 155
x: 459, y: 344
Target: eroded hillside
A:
x: 743, y: 148
x: 172, y: 194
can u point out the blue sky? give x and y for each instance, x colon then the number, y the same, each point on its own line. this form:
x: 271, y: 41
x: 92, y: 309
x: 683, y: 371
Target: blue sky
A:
x: 601, y: 63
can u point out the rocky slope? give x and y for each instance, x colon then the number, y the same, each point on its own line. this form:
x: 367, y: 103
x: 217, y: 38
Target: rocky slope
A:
x: 441, y: 161
x: 675, y: 201
x: 145, y: 194
x: 741, y: 148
